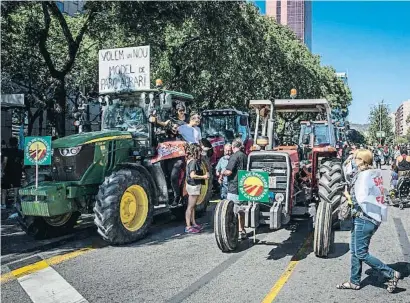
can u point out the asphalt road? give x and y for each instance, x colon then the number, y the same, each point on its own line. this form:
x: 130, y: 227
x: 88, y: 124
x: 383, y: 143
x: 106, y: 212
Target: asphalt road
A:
x: 169, y: 266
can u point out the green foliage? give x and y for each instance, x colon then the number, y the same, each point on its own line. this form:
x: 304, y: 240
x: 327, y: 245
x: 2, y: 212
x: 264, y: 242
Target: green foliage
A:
x: 379, y: 120
x: 224, y: 53
x: 402, y: 140
x: 356, y: 137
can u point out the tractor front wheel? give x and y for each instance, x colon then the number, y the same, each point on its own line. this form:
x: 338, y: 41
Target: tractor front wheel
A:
x: 226, y: 226
x: 124, y: 208
x: 44, y: 227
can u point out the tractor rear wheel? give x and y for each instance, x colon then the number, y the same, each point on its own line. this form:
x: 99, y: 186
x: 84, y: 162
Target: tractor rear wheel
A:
x: 124, y: 208
x: 331, y: 176
x: 330, y: 194
x: 206, y: 189
x: 44, y: 227
x: 323, y: 230
x: 226, y: 226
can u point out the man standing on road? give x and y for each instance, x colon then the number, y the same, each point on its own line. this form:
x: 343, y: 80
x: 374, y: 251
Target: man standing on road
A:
x: 238, y: 161
x: 220, y: 167
x: 12, y: 170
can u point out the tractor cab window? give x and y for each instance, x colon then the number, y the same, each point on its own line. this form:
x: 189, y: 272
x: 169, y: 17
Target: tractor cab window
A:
x: 125, y: 115
x: 242, y: 122
x: 305, y: 132
x: 222, y: 125
x: 320, y: 132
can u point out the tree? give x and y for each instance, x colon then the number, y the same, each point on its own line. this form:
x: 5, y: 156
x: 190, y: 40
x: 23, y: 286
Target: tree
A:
x: 39, y: 52
x: 356, y: 137
x: 380, y: 121
x: 224, y: 53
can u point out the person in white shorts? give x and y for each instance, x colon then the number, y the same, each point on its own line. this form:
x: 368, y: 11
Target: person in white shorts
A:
x: 194, y: 182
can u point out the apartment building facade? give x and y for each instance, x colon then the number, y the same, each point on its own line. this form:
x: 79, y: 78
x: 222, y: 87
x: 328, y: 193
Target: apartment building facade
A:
x: 401, y: 126
x: 392, y: 117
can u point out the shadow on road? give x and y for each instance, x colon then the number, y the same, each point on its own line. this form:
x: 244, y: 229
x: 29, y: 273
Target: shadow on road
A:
x: 376, y: 279
x: 299, y: 231
x: 338, y: 250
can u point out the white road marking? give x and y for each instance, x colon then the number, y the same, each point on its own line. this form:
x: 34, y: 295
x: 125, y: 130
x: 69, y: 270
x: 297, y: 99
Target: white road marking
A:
x: 48, y: 286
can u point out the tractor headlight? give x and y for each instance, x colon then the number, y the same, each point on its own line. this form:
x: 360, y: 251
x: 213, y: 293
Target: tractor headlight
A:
x: 70, y: 151
x: 279, y: 197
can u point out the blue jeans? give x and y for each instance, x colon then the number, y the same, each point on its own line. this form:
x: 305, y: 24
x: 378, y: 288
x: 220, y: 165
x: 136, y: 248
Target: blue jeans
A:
x: 362, y: 232
x: 224, y: 191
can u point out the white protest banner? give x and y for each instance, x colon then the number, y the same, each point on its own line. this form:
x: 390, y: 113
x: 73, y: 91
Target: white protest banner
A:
x: 369, y: 194
x: 124, y: 69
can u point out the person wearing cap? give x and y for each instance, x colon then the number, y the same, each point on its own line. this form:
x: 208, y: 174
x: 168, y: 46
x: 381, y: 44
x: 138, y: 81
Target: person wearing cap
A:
x: 191, y: 132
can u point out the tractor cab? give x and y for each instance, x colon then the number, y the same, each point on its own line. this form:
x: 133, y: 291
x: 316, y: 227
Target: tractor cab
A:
x: 133, y: 111
x: 221, y: 126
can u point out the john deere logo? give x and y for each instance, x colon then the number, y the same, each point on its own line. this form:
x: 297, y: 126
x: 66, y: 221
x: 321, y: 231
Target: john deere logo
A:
x: 253, y: 186
x: 37, y: 150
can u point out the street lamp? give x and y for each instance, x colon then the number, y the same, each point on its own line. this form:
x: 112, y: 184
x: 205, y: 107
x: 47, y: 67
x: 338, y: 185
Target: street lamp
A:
x: 380, y: 132
x: 380, y: 122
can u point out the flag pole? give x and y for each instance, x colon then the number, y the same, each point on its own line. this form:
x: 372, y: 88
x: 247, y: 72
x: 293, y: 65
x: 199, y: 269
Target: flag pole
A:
x: 36, y: 169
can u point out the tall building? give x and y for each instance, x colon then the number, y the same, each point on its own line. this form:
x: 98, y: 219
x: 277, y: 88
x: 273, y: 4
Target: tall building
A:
x: 343, y: 77
x: 393, y: 121
x: 71, y: 7
x: 297, y: 14
x: 401, y: 116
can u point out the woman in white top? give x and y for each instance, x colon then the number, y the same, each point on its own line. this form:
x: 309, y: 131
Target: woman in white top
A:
x: 366, y: 194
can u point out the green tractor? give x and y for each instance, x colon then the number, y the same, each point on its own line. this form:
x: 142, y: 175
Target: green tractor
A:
x: 119, y: 173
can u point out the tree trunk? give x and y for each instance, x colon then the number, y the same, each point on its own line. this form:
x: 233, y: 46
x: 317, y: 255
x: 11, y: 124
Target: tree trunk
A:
x: 60, y: 114
x: 31, y: 120
x: 40, y: 123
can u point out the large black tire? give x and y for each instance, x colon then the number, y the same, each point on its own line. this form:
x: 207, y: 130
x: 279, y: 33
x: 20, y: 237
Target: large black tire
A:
x: 330, y: 195
x: 107, y: 207
x: 42, y: 227
x: 331, y: 177
x: 226, y: 226
x: 206, y: 190
x: 323, y: 230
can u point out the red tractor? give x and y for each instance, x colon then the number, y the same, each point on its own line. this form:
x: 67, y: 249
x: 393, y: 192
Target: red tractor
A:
x: 304, y: 174
x: 221, y: 126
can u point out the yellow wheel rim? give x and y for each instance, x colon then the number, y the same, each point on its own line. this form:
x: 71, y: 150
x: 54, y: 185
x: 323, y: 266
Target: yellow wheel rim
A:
x: 134, y: 207
x: 204, y: 187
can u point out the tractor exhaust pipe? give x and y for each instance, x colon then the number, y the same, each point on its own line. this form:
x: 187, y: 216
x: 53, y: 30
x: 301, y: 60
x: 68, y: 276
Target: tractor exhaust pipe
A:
x: 271, y: 128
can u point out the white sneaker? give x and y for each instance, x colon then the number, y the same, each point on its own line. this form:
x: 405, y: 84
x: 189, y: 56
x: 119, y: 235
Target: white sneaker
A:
x: 3, y: 206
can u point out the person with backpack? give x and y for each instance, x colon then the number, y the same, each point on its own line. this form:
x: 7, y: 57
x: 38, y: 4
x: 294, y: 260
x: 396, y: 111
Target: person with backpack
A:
x: 368, y: 211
